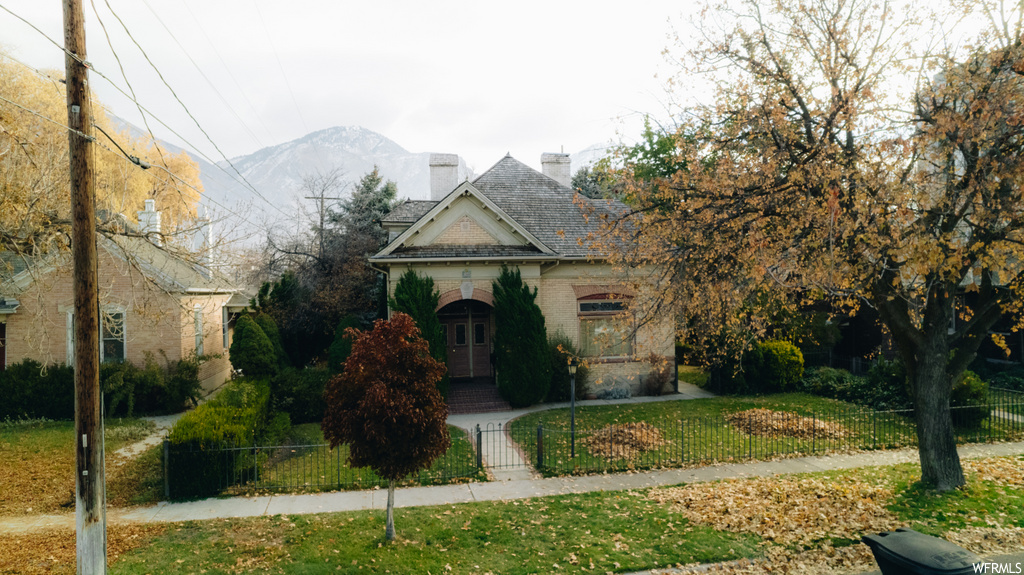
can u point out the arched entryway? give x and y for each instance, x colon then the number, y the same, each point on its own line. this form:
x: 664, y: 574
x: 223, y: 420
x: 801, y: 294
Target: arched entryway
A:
x: 468, y: 328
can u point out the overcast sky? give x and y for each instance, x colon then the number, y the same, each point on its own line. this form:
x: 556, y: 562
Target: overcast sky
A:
x: 474, y: 78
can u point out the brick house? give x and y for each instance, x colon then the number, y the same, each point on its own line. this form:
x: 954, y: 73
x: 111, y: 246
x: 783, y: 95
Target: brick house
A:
x: 153, y: 299
x: 513, y: 215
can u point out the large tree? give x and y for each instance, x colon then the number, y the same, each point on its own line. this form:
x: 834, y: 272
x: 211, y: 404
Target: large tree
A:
x: 386, y: 406
x: 840, y: 160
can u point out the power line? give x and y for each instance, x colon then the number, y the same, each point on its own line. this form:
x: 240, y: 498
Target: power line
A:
x: 205, y: 77
x: 199, y: 26
x: 245, y: 183
x: 201, y: 193
x: 183, y: 106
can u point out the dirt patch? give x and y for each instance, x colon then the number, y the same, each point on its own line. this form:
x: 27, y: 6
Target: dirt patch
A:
x: 762, y: 421
x: 53, y: 550
x: 783, y: 510
x: 624, y: 441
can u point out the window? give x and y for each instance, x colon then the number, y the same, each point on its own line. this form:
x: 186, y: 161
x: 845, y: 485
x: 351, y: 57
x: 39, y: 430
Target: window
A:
x: 460, y: 334
x: 70, y: 335
x: 224, y: 320
x: 112, y: 338
x: 198, y: 321
x: 3, y: 346
x: 603, y: 333
x: 604, y: 337
x: 479, y: 336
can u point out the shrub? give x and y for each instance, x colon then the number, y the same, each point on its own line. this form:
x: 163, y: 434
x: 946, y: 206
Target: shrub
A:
x: 969, y: 400
x: 660, y: 375
x: 269, y: 327
x: 1011, y: 379
x: 886, y: 386
x: 560, y: 349
x: 300, y: 393
x: 782, y: 366
x: 251, y: 351
x: 238, y: 417
x: 520, y: 342
x: 341, y: 348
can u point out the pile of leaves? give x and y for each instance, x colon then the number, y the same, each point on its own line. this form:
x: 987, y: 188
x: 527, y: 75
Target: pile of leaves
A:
x: 53, y: 550
x: 785, y: 510
x: 988, y: 540
x: 766, y: 422
x: 624, y: 441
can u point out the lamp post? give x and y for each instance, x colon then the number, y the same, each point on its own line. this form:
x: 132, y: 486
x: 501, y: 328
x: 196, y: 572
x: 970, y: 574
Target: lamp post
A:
x: 572, y: 404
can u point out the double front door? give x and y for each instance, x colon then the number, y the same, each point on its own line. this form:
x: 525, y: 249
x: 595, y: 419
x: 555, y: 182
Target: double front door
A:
x: 467, y: 329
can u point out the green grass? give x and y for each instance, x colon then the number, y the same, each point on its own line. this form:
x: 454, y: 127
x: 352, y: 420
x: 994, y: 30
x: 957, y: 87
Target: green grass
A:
x: 37, y: 462
x: 695, y: 375
x: 596, y: 532
x: 695, y: 431
x: 308, y: 465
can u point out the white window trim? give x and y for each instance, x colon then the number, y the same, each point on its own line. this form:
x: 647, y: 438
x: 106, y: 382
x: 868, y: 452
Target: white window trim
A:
x: 69, y: 327
x: 224, y: 319
x: 198, y: 327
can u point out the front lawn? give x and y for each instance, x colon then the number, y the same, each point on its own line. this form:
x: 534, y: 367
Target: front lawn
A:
x: 813, y: 519
x: 596, y: 532
x: 307, y: 464
x: 37, y: 463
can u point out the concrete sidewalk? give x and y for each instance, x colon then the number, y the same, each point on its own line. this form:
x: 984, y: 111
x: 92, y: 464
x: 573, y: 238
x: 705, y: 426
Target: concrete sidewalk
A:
x: 218, y: 508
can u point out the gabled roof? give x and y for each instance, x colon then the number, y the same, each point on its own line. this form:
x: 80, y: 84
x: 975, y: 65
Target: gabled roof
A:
x: 170, y: 270
x: 397, y: 248
x: 543, y: 208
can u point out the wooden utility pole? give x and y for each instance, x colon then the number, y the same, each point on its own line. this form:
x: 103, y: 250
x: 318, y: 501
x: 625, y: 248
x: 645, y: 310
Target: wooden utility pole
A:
x: 90, y: 497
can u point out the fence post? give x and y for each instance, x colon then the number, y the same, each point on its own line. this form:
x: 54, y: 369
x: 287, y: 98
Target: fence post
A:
x: 540, y: 445
x: 479, y: 448
x: 167, y: 469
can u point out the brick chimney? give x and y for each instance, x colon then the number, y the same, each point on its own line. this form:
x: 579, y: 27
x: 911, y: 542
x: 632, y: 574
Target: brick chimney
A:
x: 149, y: 222
x: 444, y: 175
x: 556, y: 167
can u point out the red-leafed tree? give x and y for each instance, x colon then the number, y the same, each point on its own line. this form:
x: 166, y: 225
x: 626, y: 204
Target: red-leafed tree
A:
x: 386, y: 407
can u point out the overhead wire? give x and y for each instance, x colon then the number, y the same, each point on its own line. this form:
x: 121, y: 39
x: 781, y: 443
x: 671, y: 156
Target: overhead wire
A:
x: 124, y: 157
x: 183, y: 106
x: 113, y: 84
x: 205, y: 77
x: 227, y: 69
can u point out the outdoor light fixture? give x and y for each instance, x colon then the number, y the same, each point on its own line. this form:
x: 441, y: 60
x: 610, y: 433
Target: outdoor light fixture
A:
x: 573, y: 364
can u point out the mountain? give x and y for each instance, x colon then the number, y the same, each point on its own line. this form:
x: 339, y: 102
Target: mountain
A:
x: 276, y: 172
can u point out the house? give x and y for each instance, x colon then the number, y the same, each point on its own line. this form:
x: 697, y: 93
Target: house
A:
x: 513, y: 215
x: 154, y: 299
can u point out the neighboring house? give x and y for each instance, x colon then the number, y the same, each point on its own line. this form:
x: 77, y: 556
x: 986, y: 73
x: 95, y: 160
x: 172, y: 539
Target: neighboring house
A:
x: 513, y: 215
x: 153, y: 299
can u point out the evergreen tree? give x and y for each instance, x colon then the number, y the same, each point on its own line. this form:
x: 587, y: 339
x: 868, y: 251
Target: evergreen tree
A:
x: 416, y: 295
x: 520, y: 342
x: 251, y: 350
x: 371, y: 200
x: 269, y: 327
x: 341, y: 348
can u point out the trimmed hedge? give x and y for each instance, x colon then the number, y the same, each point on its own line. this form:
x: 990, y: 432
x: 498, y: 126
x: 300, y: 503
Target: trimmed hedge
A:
x: 251, y: 351
x: 767, y: 367
x: 237, y: 417
x: 30, y: 390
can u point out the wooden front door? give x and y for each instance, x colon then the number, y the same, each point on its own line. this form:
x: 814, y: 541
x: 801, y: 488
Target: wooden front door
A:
x: 467, y: 328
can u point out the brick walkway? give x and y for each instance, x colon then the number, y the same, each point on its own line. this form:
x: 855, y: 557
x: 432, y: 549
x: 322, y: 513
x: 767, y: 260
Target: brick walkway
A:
x: 477, y: 396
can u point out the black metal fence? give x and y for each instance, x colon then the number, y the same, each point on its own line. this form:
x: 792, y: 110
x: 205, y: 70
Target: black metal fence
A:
x: 201, y: 471
x: 702, y: 440
x: 553, y: 450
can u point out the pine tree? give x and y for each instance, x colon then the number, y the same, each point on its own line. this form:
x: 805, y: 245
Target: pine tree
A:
x: 416, y: 295
x: 520, y: 342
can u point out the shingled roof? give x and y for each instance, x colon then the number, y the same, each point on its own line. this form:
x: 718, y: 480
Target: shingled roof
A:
x: 538, y: 203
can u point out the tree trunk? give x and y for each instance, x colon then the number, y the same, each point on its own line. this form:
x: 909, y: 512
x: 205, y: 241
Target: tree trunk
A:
x: 940, y: 462
x: 389, y: 530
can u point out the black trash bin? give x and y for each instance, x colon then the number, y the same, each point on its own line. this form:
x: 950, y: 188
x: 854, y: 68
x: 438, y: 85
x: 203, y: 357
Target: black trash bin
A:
x: 907, y: 552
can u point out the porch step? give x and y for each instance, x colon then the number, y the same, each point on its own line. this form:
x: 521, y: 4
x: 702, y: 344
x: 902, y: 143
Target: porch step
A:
x: 475, y: 397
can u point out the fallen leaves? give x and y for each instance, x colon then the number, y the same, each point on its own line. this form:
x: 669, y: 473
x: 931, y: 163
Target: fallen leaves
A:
x: 785, y: 510
x: 762, y: 421
x: 53, y: 550
x: 1003, y: 471
x: 624, y: 441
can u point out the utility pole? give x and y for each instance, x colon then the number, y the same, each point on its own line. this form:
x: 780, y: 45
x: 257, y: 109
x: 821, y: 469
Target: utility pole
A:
x: 90, y: 497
